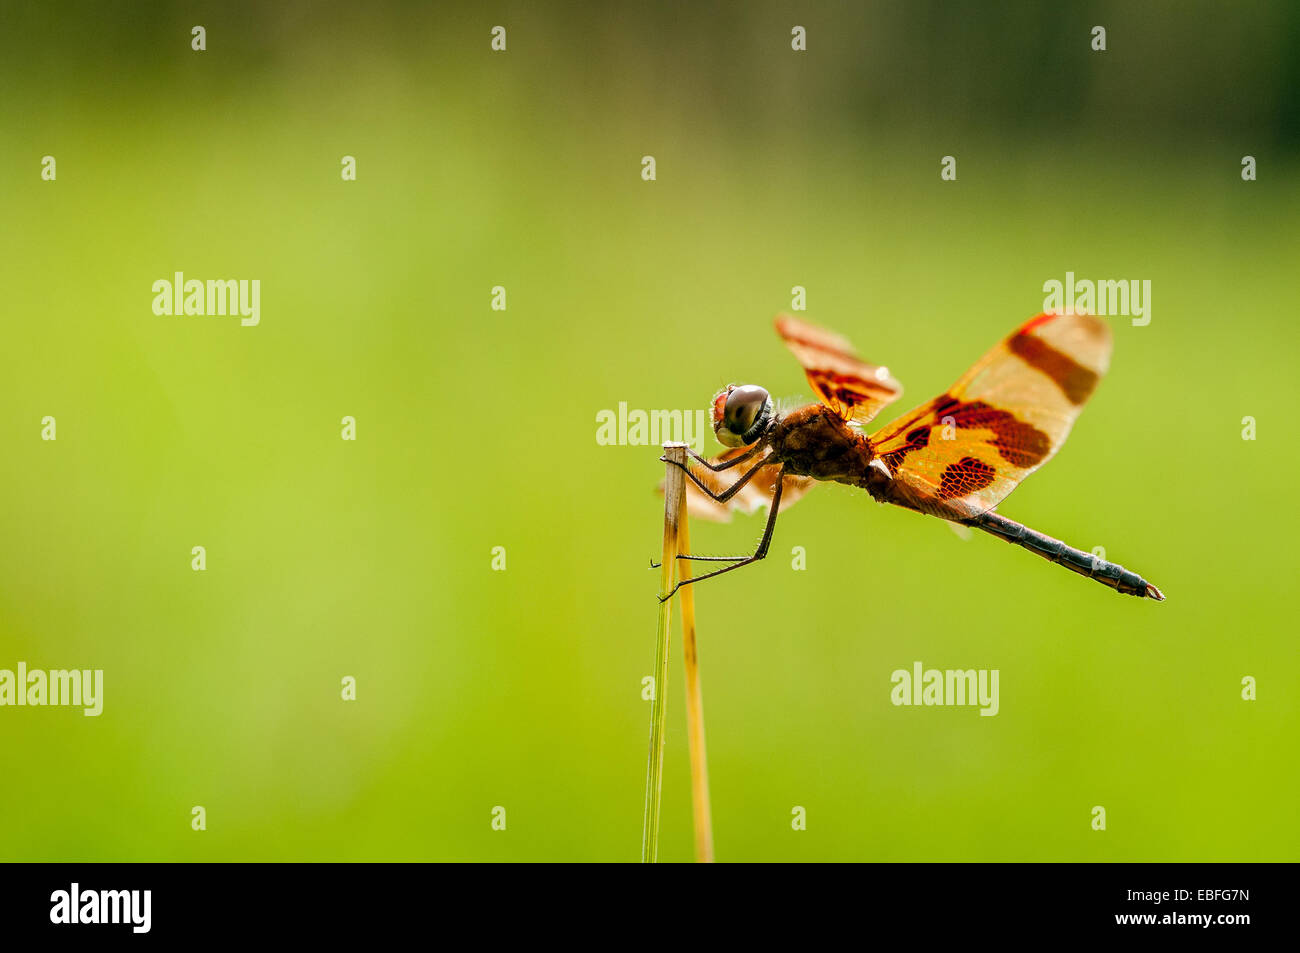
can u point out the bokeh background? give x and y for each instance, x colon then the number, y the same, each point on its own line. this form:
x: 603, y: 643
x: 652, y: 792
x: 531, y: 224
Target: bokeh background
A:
x: 476, y: 428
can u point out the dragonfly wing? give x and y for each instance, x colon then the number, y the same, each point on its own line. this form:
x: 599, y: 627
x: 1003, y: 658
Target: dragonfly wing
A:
x: 960, y: 454
x: 843, y: 382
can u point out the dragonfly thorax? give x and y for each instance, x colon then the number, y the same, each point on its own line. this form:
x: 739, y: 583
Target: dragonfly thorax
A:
x: 815, y: 441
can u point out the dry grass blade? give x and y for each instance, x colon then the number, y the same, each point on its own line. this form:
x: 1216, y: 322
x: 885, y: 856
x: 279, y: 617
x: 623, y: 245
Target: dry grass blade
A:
x: 694, y: 707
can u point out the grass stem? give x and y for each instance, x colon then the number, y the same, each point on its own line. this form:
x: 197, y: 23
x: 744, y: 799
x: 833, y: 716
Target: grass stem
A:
x: 694, y: 706
x: 674, y: 509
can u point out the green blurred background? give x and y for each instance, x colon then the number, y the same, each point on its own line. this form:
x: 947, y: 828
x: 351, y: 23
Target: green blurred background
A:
x: 476, y: 428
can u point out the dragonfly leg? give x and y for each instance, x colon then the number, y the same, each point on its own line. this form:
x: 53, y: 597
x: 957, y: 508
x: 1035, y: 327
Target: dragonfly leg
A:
x: 740, y: 560
x: 732, y: 490
x: 722, y: 497
x: 719, y: 467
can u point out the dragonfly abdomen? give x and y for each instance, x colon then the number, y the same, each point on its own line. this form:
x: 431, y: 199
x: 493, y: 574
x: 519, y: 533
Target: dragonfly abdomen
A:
x: 1076, y: 560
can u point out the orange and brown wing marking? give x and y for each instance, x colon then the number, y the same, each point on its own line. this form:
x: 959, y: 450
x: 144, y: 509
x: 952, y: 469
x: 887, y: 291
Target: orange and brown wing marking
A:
x: 960, y: 454
x: 853, y: 389
x: 756, y: 493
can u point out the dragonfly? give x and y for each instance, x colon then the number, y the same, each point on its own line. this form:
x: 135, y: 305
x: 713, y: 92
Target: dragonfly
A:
x: 955, y: 457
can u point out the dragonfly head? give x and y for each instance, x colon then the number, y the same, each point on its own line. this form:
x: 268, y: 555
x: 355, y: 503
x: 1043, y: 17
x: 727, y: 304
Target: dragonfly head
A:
x: 741, y: 413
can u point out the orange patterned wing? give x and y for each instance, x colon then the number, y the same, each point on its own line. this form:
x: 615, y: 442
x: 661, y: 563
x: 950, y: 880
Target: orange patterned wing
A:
x: 960, y: 454
x: 853, y: 389
x: 756, y: 493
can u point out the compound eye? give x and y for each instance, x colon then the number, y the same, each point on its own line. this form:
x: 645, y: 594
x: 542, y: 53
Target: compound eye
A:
x: 744, y: 404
